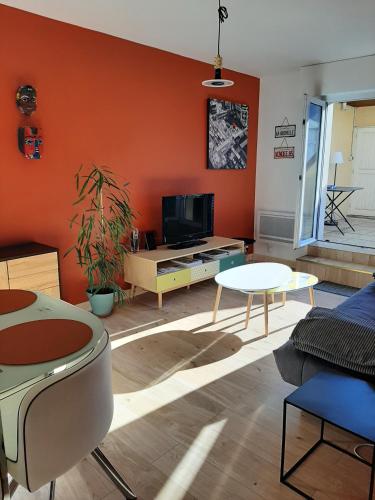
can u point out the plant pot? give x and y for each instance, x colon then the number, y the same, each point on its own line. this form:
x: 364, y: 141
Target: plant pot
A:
x: 101, y: 302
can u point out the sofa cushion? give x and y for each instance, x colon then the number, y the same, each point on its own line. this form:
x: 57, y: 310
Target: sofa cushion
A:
x: 359, y: 307
x: 338, y: 340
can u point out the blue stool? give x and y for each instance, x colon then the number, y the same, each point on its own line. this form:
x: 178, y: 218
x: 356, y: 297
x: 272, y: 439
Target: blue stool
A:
x: 342, y: 401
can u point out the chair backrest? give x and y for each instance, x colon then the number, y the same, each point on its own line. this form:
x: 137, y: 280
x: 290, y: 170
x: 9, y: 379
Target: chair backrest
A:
x: 63, y: 418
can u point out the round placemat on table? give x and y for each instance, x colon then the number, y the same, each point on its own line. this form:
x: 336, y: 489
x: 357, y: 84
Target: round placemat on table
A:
x: 42, y: 340
x: 15, y: 300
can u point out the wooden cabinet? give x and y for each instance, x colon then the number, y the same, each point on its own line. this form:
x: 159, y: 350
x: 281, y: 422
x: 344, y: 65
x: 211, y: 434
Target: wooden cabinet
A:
x: 4, y: 283
x: 141, y: 268
x: 30, y: 266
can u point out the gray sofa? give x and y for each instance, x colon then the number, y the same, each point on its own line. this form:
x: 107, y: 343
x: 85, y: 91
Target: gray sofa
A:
x: 355, y: 315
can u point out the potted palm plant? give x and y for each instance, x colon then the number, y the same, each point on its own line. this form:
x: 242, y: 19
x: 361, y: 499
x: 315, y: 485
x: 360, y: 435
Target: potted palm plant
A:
x: 104, y: 219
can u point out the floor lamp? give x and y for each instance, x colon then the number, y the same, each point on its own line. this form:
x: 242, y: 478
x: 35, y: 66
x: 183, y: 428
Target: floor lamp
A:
x: 337, y: 159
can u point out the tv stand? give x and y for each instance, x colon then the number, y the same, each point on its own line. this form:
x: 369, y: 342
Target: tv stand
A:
x: 156, y: 271
x: 187, y: 244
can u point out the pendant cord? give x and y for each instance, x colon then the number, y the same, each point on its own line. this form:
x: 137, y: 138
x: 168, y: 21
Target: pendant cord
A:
x: 223, y: 15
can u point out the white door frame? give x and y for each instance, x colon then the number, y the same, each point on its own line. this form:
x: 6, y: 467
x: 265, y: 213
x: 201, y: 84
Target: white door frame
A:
x: 298, y: 241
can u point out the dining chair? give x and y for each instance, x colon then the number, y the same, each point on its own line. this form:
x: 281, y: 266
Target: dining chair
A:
x: 62, y: 419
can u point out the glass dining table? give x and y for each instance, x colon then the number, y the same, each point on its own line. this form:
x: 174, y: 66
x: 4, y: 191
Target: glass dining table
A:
x: 18, y: 375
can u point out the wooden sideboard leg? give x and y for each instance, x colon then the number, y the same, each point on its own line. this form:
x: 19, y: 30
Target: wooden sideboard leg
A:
x: 248, y: 309
x: 312, y: 296
x: 266, y: 314
x: 160, y: 300
x: 284, y: 298
x: 217, y: 302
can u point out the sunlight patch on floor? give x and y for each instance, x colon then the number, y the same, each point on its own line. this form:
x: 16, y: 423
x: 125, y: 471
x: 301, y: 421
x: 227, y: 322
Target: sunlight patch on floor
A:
x: 129, y: 407
x: 188, y: 468
x: 181, y: 380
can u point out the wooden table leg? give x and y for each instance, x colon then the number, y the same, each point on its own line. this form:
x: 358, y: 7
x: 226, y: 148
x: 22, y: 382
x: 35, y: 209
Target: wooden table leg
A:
x: 312, y: 297
x: 284, y: 298
x: 217, y: 302
x: 272, y: 298
x: 248, y: 309
x: 160, y: 300
x: 132, y: 292
x: 266, y: 314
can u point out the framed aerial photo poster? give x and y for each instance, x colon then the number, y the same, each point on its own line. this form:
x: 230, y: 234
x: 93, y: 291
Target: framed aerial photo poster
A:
x: 227, y: 135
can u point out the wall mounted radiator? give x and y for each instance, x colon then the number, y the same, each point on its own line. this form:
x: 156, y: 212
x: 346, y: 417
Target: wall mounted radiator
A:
x: 275, y: 226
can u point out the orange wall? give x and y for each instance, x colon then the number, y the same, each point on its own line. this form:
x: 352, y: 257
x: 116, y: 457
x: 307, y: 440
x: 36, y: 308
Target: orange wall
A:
x: 138, y: 110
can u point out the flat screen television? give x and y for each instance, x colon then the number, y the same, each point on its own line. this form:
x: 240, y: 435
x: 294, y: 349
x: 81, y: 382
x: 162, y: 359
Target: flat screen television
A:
x: 187, y: 218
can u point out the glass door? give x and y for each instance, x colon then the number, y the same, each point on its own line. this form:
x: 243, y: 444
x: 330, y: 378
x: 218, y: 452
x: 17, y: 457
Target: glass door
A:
x: 307, y: 217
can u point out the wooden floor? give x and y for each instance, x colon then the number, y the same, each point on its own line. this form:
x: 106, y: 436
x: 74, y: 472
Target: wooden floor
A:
x: 198, y: 406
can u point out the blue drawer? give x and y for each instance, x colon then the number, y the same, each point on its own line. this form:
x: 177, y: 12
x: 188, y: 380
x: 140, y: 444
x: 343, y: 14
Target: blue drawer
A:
x: 232, y: 261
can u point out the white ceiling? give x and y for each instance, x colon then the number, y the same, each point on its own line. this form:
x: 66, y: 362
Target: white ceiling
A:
x: 260, y: 37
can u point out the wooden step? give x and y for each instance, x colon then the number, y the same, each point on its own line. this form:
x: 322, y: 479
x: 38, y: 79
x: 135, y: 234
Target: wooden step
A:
x: 365, y: 259
x: 337, y: 271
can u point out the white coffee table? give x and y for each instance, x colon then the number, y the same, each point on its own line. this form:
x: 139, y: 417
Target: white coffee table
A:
x: 263, y: 277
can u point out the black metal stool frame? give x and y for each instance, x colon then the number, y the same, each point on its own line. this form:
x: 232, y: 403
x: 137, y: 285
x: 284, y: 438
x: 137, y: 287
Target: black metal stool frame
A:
x: 285, y: 475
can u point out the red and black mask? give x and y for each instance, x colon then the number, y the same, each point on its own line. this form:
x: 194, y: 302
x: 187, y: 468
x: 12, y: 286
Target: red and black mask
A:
x: 30, y: 143
x: 26, y: 99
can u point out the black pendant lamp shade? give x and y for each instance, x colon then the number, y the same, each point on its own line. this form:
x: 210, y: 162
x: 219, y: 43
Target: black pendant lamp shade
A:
x: 217, y: 81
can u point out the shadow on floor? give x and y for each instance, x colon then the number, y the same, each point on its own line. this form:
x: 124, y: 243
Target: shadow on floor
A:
x: 165, y: 353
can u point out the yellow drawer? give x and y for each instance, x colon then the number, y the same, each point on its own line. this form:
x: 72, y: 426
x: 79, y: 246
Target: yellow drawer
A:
x: 207, y: 270
x: 173, y: 280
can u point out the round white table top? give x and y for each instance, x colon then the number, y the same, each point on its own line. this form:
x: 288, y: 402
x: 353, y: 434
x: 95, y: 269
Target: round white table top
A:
x: 255, y: 277
x: 297, y: 281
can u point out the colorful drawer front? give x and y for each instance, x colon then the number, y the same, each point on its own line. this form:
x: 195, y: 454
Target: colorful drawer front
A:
x: 207, y: 270
x: 173, y: 280
x: 232, y: 261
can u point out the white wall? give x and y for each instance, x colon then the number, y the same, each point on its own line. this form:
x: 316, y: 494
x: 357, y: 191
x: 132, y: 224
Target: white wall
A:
x: 277, y: 184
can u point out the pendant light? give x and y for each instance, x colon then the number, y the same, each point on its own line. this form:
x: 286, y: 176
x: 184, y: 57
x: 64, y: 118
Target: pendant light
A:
x: 218, y: 61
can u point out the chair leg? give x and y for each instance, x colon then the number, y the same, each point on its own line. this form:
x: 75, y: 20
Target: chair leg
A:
x: 113, y: 475
x: 52, y: 489
x: 359, y: 446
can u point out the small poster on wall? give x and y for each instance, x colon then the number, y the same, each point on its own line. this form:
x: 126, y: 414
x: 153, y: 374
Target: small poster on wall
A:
x: 282, y: 153
x: 285, y: 129
x: 282, y: 131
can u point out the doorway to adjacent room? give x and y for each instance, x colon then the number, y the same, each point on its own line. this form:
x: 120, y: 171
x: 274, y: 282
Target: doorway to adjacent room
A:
x: 337, y: 200
x: 350, y: 198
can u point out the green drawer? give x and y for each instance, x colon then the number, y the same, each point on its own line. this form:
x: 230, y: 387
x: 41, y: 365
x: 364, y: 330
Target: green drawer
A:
x: 232, y: 261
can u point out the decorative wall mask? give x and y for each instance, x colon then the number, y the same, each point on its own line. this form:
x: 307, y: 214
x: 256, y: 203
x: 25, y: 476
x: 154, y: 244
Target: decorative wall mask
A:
x: 30, y: 143
x: 26, y: 99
